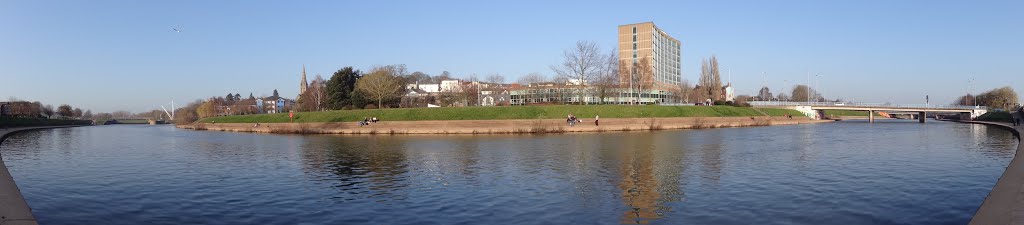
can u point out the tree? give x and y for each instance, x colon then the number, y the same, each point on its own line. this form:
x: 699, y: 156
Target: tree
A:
x: 65, y: 111
x: 684, y: 91
x: 1004, y: 97
x: 87, y: 115
x: 800, y: 94
x: 76, y: 113
x: 532, y: 78
x: 607, y: 77
x: 642, y: 77
x: 782, y: 97
x: 315, y: 96
x: 495, y: 78
x: 418, y: 77
x: 444, y: 76
x: 231, y: 97
x: 340, y: 87
x: 382, y: 83
x: 207, y: 109
x: 966, y: 100
x: 711, y: 79
x: 580, y: 64
x: 741, y: 100
x: 252, y: 97
x: 275, y: 94
x: 48, y: 111
x: 764, y: 94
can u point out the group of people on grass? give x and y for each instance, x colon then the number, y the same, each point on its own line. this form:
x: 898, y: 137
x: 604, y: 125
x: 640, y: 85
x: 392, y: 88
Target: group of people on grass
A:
x: 367, y: 121
x: 572, y: 120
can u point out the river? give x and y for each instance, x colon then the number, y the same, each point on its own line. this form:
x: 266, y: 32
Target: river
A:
x: 889, y: 172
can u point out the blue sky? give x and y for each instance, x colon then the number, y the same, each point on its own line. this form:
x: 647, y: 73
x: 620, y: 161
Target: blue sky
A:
x: 111, y: 55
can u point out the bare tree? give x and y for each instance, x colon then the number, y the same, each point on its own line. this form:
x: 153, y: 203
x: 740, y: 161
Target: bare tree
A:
x: 47, y: 111
x: 581, y: 63
x: 76, y: 113
x: 683, y: 91
x: 804, y: 93
x: 382, y: 83
x: 608, y: 76
x: 782, y: 96
x: 643, y: 76
x: 495, y: 78
x: 764, y: 94
x: 315, y: 97
x: 711, y: 79
x: 532, y: 78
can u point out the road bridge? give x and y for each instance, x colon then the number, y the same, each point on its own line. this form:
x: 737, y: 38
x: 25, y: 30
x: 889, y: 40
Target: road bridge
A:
x: 816, y: 109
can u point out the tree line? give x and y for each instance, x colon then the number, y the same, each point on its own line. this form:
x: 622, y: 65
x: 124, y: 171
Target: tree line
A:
x: 1001, y: 98
x: 20, y: 108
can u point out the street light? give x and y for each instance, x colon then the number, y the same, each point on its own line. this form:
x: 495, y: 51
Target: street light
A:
x: 816, y: 84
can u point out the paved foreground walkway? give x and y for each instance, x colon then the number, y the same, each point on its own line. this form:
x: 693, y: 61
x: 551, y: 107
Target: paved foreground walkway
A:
x: 13, y: 208
x: 1005, y: 204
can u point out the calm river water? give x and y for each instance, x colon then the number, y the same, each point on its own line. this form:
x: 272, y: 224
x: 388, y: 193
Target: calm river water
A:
x: 890, y: 172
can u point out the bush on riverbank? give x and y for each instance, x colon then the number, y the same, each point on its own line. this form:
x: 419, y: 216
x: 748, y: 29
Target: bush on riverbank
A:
x: 996, y: 117
x: 585, y: 112
x: 28, y: 122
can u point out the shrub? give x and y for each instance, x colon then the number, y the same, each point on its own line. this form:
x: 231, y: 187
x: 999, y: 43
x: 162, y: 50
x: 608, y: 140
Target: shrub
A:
x: 370, y: 106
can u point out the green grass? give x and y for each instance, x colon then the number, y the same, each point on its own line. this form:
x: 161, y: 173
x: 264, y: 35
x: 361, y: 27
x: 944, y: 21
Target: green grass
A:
x: 28, y: 122
x: 504, y: 113
x: 835, y: 112
x: 996, y: 117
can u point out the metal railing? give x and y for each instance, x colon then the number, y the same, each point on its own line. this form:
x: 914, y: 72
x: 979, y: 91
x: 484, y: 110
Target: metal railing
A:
x: 865, y: 105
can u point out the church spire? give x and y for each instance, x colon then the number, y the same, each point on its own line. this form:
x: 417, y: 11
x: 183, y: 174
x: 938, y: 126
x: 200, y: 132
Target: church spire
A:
x: 303, y: 85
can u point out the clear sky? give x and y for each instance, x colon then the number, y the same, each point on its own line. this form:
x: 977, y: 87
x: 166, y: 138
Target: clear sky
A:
x: 111, y: 55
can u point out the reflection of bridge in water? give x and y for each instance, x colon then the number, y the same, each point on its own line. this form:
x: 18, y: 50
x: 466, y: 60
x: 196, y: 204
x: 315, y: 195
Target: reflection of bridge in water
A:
x: 817, y: 109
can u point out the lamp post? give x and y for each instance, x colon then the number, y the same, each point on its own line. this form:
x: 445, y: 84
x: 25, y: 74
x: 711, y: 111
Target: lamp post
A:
x: 817, y: 82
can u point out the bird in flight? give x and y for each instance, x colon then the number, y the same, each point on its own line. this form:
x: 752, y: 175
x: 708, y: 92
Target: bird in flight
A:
x: 176, y: 29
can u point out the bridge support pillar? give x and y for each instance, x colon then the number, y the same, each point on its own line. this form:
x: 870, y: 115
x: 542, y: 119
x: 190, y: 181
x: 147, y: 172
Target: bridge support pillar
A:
x: 871, y: 116
x: 921, y: 116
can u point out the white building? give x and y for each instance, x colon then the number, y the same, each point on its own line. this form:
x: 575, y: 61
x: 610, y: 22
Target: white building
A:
x: 730, y: 92
x: 429, y: 88
x: 451, y: 86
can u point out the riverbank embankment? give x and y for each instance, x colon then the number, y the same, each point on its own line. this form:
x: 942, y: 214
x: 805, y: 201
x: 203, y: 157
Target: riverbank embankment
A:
x: 520, y: 126
x: 14, y: 209
x: 1005, y: 203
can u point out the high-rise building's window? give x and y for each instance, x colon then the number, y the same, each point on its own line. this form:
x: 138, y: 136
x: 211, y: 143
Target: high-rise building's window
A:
x: 634, y: 37
x: 634, y: 30
x: 634, y: 45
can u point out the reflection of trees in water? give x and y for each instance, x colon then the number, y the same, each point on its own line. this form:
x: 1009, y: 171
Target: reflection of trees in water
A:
x: 372, y: 166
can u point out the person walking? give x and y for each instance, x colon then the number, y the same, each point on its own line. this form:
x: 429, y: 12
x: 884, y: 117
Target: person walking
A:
x: 596, y: 119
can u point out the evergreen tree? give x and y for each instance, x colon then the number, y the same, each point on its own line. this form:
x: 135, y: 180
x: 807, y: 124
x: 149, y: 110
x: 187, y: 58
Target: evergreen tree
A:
x: 340, y: 87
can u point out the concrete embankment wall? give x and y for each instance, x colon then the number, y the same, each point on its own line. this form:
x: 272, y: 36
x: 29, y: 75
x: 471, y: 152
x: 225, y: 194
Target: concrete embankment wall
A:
x: 13, y: 208
x: 1005, y: 203
x: 502, y: 126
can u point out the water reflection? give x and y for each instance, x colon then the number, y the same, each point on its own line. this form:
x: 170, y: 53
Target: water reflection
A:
x: 842, y: 173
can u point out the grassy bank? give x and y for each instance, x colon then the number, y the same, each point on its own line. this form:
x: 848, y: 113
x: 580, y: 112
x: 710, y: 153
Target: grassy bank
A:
x: 996, y: 117
x: 30, y: 122
x: 834, y: 112
x: 585, y: 112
